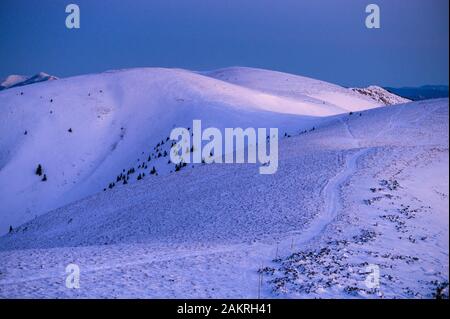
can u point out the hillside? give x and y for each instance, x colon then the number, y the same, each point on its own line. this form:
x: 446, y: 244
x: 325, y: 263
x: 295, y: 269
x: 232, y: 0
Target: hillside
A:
x: 348, y: 194
x: 85, y: 131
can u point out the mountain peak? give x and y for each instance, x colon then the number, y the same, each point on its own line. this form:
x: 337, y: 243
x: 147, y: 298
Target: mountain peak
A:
x: 20, y: 80
x: 379, y: 94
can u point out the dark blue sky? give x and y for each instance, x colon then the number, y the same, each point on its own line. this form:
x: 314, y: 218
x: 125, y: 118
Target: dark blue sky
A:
x: 324, y: 39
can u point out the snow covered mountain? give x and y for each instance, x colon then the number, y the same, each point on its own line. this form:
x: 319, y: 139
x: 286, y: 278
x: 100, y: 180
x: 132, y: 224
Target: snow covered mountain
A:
x: 359, y: 186
x: 21, y: 80
x: 364, y: 189
x: 84, y: 131
x: 12, y: 80
x: 381, y: 95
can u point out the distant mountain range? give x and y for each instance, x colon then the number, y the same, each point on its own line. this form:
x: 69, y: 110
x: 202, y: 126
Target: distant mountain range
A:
x: 421, y: 93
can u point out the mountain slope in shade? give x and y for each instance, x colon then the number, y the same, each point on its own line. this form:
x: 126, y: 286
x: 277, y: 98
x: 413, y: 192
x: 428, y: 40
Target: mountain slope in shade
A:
x: 21, y: 80
x: 11, y: 80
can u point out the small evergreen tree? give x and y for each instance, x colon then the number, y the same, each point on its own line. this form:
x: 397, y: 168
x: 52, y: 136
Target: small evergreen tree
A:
x: 39, y: 170
x: 10, y: 229
x: 153, y: 171
x: 44, y: 179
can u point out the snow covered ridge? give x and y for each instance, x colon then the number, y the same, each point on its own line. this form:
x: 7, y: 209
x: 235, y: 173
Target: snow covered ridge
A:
x: 21, y: 80
x: 381, y: 95
x: 89, y: 133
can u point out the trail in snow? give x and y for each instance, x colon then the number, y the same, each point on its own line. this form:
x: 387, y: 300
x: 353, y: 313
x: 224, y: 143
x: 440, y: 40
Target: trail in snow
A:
x: 256, y: 255
x: 331, y: 195
x: 331, y: 192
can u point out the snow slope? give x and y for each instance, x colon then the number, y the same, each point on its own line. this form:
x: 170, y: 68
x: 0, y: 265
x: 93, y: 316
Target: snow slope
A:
x: 364, y: 188
x: 86, y: 130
